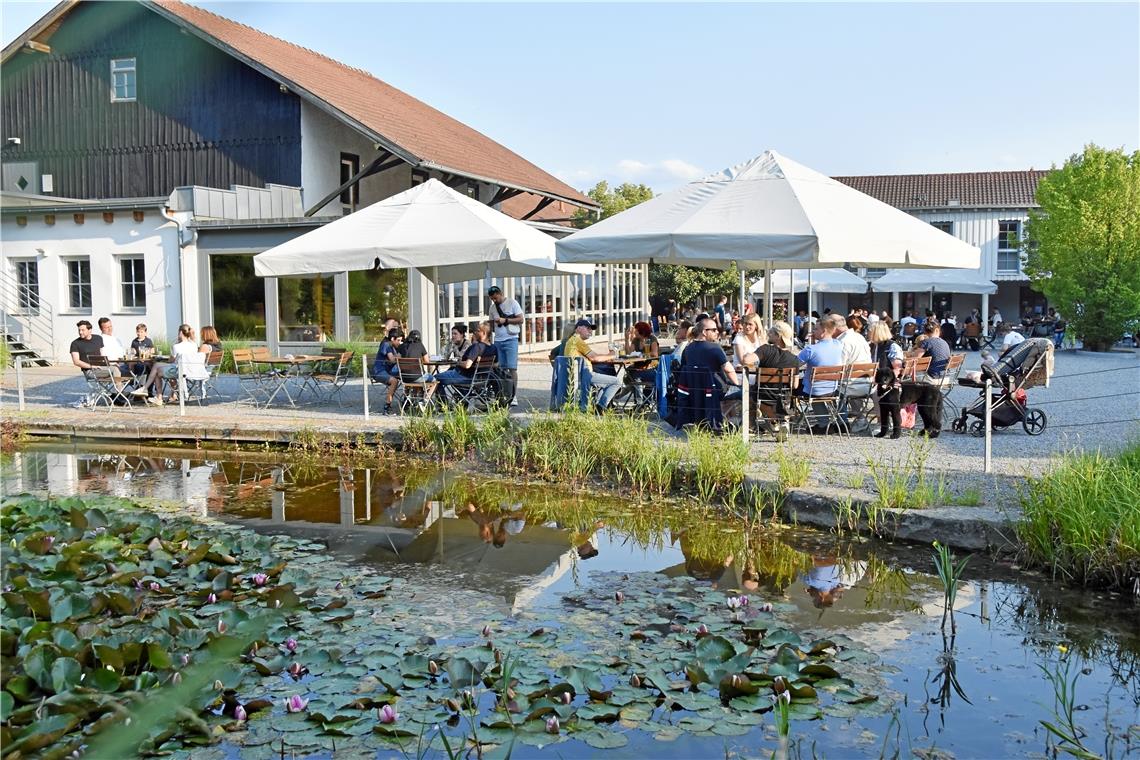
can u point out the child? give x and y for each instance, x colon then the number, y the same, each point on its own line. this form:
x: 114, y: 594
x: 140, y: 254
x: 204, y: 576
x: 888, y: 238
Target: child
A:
x: 141, y: 342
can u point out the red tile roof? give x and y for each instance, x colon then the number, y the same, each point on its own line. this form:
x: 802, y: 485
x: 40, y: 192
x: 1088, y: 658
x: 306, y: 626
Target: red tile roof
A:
x: 431, y: 137
x: 520, y: 205
x: 1014, y: 189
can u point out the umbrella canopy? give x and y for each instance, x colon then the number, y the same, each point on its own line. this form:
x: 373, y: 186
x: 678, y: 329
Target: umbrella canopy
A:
x: 822, y: 281
x: 937, y: 280
x: 446, y: 234
x: 769, y: 212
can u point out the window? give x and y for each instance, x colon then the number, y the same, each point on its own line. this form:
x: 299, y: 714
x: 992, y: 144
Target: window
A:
x: 134, y: 283
x: 79, y: 284
x: 28, y: 287
x: 1009, y: 246
x: 873, y: 273
x: 122, y: 80
x: 947, y: 227
x: 349, y: 168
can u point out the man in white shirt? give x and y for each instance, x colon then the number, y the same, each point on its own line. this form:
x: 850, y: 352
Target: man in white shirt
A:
x: 1011, y: 339
x: 112, y: 348
x: 906, y: 320
x: 856, y: 350
x: 506, y: 316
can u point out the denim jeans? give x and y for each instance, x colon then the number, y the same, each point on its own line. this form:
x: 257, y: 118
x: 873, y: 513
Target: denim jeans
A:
x: 508, y: 352
x: 608, y: 385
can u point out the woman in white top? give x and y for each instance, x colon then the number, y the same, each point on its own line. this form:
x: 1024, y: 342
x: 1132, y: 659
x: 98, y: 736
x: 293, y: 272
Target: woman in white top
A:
x: 750, y: 338
x: 162, y: 371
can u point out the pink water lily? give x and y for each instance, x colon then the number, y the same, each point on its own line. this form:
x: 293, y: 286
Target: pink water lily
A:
x: 552, y: 725
x: 765, y: 607
x: 388, y: 714
x: 702, y: 630
x: 566, y: 698
x: 619, y: 597
x: 153, y: 586
x: 297, y: 670
x: 487, y: 631
x: 211, y: 598
x: 291, y: 644
x: 239, y: 714
x: 185, y: 659
x: 259, y: 579
x: 736, y: 602
x: 221, y: 626
x: 296, y: 704
x: 176, y: 679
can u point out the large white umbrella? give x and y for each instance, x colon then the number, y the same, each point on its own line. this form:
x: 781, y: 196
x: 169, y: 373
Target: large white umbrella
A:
x: 821, y: 281
x: 766, y: 213
x: 936, y: 280
x: 446, y: 234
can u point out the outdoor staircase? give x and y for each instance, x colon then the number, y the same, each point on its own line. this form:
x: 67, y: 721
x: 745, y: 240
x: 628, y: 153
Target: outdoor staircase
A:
x: 25, y: 323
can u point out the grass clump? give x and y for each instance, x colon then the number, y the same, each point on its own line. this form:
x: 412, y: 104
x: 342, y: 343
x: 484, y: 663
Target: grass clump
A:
x: 792, y: 472
x: 1082, y: 519
x: 906, y: 484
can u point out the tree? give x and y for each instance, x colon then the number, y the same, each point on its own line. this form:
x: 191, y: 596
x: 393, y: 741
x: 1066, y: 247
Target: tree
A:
x: 1083, y: 243
x: 681, y: 283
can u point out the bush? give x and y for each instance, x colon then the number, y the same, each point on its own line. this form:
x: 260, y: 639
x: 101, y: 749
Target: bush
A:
x: 1082, y: 519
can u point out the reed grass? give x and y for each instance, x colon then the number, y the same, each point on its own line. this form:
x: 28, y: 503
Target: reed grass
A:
x: 792, y: 472
x: 1082, y: 519
x: 906, y: 483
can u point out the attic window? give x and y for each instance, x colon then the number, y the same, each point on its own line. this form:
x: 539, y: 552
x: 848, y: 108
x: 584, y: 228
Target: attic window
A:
x: 123, y: 80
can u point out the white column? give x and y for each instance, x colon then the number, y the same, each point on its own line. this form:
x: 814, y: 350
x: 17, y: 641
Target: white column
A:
x: 895, y: 306
x: 340, y: 307
x: 423, y: 301
x: 985, y: 313
x: 272, y: 316
x: 645, y: 290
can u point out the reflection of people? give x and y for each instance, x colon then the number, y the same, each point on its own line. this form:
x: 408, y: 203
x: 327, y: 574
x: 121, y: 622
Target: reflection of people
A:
x: 828, y: 579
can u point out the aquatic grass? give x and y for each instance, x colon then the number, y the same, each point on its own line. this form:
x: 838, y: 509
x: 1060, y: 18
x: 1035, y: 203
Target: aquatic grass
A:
x: 905, y: 483
x: 1081, y: 521
x: 792, y: 471
x: 1065, y: 728
x: 950, y: 576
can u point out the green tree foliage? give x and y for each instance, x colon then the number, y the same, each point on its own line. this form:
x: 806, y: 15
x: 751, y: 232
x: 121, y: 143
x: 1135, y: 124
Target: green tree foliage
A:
x: 683, y: 284
x: 1083, y: 247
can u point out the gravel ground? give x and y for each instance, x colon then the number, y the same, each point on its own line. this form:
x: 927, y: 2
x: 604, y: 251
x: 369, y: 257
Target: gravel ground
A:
x: 1092, y: 403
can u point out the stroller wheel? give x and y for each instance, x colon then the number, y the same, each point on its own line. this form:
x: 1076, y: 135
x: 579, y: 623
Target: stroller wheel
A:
x: 1034, y: 422
x: 978, y: 429
x: 958, y: 425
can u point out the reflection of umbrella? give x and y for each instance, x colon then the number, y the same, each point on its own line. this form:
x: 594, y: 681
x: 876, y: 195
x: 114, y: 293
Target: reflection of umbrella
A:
x: 822, y: 281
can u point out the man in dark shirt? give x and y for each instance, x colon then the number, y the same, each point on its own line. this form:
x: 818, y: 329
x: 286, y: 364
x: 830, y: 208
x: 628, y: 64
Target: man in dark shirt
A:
x: 930, y: 402
x: 384, y: 369
x: 88, y: 345
x: 705, y: 352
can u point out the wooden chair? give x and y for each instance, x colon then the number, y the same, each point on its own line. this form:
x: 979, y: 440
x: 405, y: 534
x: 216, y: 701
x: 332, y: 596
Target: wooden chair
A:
x: 327, y: 377
x: 249, y: 375
x: 776, y: 388
x: 830, y: 402
x: 856, y: 391
x: 418, y: 392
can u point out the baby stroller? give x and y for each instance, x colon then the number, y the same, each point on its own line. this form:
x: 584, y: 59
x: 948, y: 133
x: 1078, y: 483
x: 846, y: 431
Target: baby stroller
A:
x: 1026, y: 365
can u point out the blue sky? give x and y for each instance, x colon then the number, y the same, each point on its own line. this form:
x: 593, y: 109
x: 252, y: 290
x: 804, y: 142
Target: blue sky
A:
x: 662, y: 93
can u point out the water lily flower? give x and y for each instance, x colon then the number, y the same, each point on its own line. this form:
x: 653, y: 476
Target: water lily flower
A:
x: 487, y: 631
x: 176, y: 679
x: 239, y: 714
x: 276, y: 604
x: 259, y: 579
x: 388, y: 714
x: 635, y: 681
x: 1062, y: 648
x: 297, y: 670
x: 702, y: 630
x: 219, y: 686
x: 49, y: 540
x: 296, y: 704
x: 338, y: 586
x: 734, y: 602
x: 153, y: 586
x: 433, y: 667
x: 211, y: 598
x: 619, y: 597
x: 552, y: 725
x: 185, y: 659
x: 291, y: 644
x: 765, y: 607
x: 566, y: 698
x: 221, y: 626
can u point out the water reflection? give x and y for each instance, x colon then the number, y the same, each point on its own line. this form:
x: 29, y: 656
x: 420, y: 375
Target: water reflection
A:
x: 523, y: 547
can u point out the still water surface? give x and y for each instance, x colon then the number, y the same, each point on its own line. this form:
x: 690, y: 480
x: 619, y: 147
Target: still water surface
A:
x: 519, y: 549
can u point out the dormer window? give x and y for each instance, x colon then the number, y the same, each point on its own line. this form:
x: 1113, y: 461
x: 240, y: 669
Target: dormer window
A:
x: 123, y: 80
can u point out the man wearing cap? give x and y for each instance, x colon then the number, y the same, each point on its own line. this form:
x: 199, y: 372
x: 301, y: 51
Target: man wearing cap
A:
x: 506, y: 317
x: 576, y: 346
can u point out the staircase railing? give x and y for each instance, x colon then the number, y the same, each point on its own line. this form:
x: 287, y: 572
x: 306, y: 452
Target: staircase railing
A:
x: 27, y: 316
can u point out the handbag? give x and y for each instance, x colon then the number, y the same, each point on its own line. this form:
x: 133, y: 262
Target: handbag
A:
x: 907, y: 415
x: 512, y: 329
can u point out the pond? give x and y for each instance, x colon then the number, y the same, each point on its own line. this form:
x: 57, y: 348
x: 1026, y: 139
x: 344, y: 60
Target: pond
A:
x: 631, y: 609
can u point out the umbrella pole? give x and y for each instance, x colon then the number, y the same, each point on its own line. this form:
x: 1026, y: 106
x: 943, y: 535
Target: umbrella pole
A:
x: 745, y: 395
x: 768, y: 295
x: 743, y: 292
x: 364, y: 379
x: 809, y: 294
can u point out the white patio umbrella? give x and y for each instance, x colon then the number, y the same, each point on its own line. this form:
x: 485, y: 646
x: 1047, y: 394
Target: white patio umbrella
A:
x: 446, y: 234
x: 934, y: 281
x: 767, y: 213
x: 822, y: 281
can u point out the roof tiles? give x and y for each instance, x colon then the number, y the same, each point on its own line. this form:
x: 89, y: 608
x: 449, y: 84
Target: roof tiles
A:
x: 1012, y: 189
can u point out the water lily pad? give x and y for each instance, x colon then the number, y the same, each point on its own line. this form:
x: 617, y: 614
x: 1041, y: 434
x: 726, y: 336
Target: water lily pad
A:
x: 694, y: 723
x: 603, y: 739
x: 636, y: 713
x: 599, y: 712
x: 781, y: 636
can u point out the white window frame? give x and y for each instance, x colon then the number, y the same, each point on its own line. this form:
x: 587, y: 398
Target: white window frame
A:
x: 127, y: 67
x: 124, y: 307
x: 949, y: 224
x: 1015, y: 251
x: 29, y: 305
x: 69, y: 284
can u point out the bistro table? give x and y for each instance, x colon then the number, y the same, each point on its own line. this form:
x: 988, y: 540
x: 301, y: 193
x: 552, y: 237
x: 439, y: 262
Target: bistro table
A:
x: 291, y: 372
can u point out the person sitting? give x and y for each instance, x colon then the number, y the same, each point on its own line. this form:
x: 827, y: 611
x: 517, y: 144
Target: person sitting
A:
x: 684, y: 337
x: 930, y: 402
x: 854, y: 345
x: 826, y: 351
x: 384, y: 367
x: 705, y: 354
x: 163, y: 372
x: 89, y: 345
x: 576, y: 346
x: 639, y: 339
x: 458, y: 344
x: 748, y: 341
x: 1009, y: 336
x: 112, y: 348
x: 413, y: 347
x: 464, y: 371
x: 210, y: 340
x: 777, y: 353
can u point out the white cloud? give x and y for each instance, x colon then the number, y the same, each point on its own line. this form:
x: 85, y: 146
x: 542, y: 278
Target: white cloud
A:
x: 659, y: 175
x: 681, y: 169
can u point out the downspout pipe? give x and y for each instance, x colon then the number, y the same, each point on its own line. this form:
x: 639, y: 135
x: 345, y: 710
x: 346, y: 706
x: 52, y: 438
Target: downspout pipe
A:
x: 182, y: 243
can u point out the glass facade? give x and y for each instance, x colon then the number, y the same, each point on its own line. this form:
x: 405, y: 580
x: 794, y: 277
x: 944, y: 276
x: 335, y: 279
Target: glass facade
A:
x: 238, y: 298
x: 306, y: 308
x: 374, y: 298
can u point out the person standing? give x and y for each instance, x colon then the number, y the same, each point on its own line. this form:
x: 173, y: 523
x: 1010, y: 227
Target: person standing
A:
x: 930, y: 402
x: 506, y: 317
x: 720, y: 314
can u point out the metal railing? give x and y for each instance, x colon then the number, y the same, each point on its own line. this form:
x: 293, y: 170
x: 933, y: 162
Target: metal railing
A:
x: 27, y: 317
